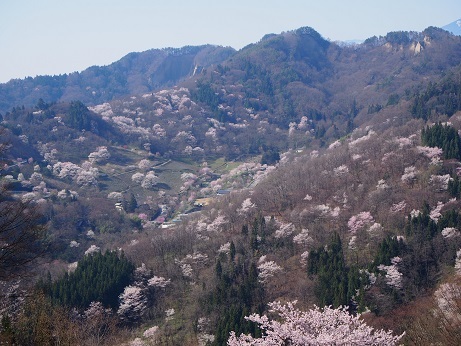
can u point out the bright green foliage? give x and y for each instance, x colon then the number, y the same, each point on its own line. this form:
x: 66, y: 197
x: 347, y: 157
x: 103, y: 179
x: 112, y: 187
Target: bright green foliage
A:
x: 444, y: 137
x: 98, y: 277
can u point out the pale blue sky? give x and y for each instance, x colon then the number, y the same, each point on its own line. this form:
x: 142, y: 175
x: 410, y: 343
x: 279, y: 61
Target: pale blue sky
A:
x: 62, y: 36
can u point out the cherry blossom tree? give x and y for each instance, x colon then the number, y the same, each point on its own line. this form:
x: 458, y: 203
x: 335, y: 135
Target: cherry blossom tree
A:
x: 359, y: 221
x: 137, y: 177
x: 285, y: 230
x: 100, y: 155
x: 247, y: 207
x: 267, y: 269
x: 435, y: 213
x: 144, y: 164
x: 133, y: 303
x: 393, y: 277
x: 325, y: 326
x: 150, y: 180
x: 409, y: 174
x: 303, y: 238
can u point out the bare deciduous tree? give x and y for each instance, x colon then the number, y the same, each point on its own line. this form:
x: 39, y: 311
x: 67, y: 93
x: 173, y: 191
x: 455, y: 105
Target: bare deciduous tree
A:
x: 21, y: 235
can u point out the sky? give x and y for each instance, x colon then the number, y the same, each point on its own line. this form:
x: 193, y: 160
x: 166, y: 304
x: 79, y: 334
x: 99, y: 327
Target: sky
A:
x: 48, y: 37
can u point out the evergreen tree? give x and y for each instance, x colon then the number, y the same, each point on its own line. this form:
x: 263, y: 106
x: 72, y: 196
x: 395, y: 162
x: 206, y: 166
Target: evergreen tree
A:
x: 98, y: 277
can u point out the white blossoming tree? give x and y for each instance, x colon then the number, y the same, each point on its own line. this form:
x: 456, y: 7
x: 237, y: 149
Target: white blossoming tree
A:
x: 150, y: 181
x: 133, y: 304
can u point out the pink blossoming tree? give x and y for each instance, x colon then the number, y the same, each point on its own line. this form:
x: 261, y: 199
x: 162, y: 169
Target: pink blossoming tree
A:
x: 325, y: 326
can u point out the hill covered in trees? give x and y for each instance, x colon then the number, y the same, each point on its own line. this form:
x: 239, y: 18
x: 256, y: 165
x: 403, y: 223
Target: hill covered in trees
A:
x: 133, y: 74
x: 293, y: 169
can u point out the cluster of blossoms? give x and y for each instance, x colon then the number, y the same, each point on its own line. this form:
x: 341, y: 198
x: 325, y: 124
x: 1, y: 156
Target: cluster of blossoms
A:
x: 133, y: 303
x: 325, y: 326
x: 212, y: 133
x: 100, y: 155
x: 415, y: 213
x: 225, y: 248
x: 104, y: 109
x: 409, y: 174
x: 218, y: 223
x: 128, y: 125
x: 285, y: 230
x: 158, y: 131
x: 169, y: 313
x: 382, y: 185
x: 184, y: 136
x: 398, y: 207
x: 134, y: 300
x: 267, y: 269
x: 359, y: 221
x: 393, y: 276
x: 292, y: 128
x: 335, y: 144
x: 86, y: 175
x: 92, y: 249
x: 195, y: 259
x: 65, y: 194
x: 188, y: 180
x: 433, y: 153
x: 303, y: 123
x: 148, y: 181
x: 48, y: 153
x: 144, y: 165
x: 151, y: 332
x: 341, y: 170
x: 240, y: 177
x: 435, y: 213
x: 247, y: 207
x: 303, y: 238
x: 324, y: 210
x: 362, y: 139
x: 450, y: 232
x: 375, y: 229
x: 440, y: 182
x: 304, y: 258
x: 404, y: 141
x: 429, y: 152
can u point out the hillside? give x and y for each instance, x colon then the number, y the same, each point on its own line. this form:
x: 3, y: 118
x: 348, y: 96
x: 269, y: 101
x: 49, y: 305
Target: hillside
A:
x: 293, y: 169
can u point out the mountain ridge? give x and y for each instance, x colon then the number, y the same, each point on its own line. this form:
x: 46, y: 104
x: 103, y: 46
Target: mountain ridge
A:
x: 138, y: 72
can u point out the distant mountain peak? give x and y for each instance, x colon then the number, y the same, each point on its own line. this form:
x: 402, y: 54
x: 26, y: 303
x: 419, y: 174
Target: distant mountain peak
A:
x: 454, y: 27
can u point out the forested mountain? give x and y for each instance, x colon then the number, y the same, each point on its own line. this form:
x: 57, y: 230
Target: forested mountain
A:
x: 133, y: 74
x: 196, y: 186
